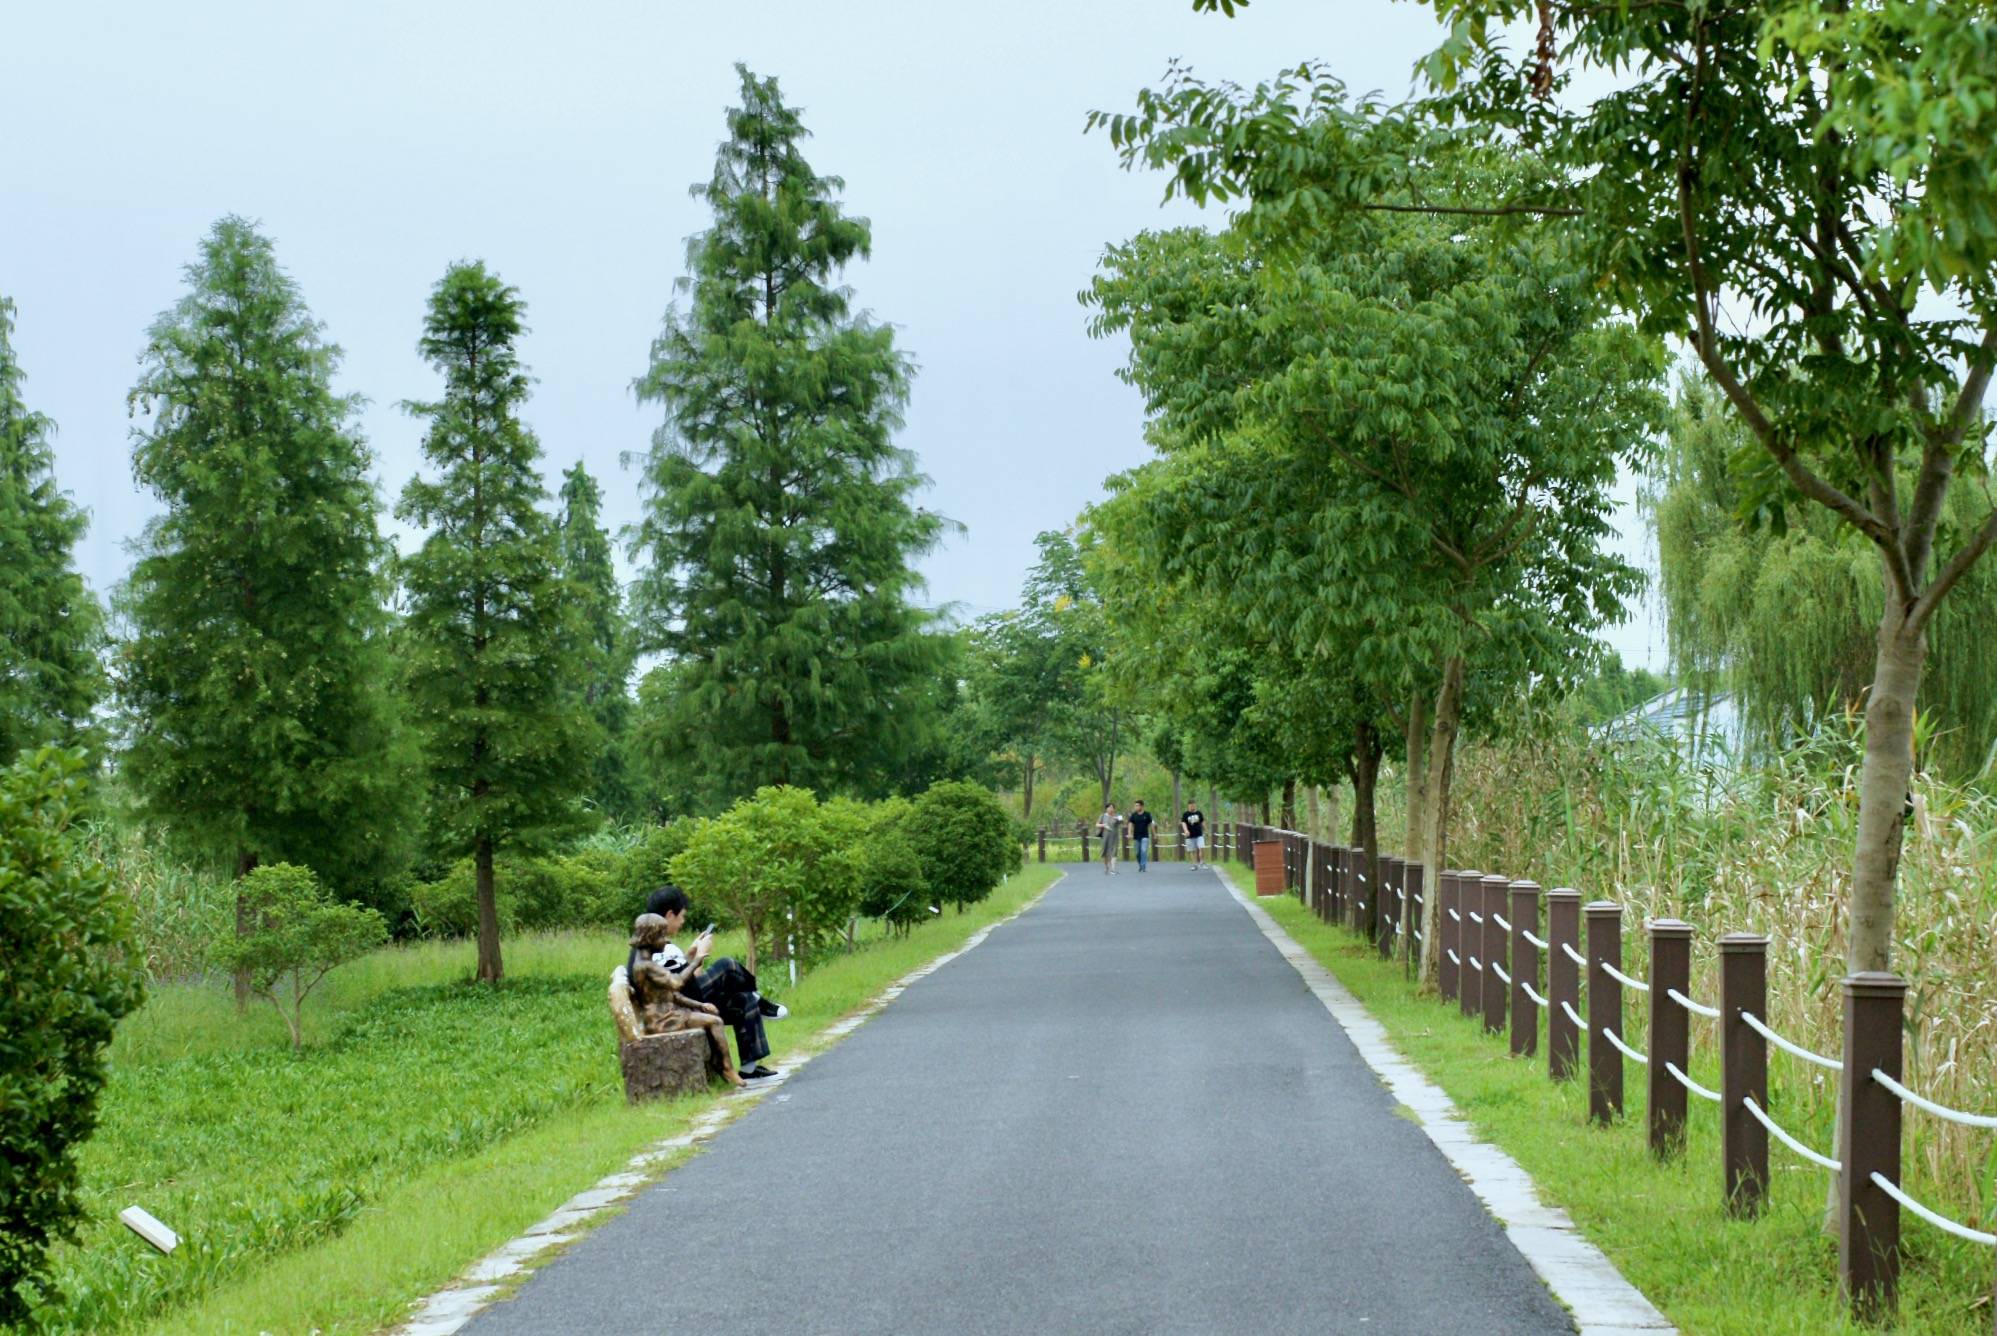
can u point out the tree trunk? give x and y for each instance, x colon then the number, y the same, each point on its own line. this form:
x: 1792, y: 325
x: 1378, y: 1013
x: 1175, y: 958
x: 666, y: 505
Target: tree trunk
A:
x: 1885, y: 783
x: 1417, y: 773
x: 246, y: 863
x: 1178, y: 806
x: 1331, y: 822
x: 1365, y: 828
x: 1265, y: 811
x: 1027, y: 789
x: 749, y: 953
x: 1435, y: 807
x: 1885, y: 788
x: 1290, y: 803
x: 1311, y: 811
x: 490, y: 968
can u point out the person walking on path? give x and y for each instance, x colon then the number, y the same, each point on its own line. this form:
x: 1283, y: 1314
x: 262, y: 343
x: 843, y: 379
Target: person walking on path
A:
x: 1110, y: 826
x: 1193, y: 829
x: 1140, y: 833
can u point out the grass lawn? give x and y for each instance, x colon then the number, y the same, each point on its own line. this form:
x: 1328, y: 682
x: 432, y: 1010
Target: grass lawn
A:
x: 1662, y: 1224
x: 428, y: 1121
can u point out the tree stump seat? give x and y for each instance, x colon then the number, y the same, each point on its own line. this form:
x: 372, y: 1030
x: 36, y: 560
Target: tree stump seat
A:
x: 657, y: 1066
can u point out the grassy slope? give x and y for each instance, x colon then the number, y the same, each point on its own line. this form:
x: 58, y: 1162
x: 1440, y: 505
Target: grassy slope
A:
x: 1661, y: 1224
x: 427, y: 1123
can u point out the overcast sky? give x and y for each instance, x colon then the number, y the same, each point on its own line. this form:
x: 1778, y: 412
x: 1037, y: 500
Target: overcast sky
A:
x: 376, y: 143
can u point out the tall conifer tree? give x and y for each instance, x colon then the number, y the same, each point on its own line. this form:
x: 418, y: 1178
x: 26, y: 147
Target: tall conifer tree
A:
x: 50, y: 626
x: 509, y: 743
x: 600, y: 668
x: 255, y: 674
x: 781, y: 521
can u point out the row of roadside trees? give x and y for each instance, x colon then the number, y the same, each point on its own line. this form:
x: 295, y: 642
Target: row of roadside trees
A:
x: 286, y: 687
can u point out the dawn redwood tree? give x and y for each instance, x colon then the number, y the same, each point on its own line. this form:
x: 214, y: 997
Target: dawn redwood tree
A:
x: 601, y: 660
x: 1799, y: 191
x: 509, y: 742
x: 254, y: 674
x: 50, y: 625
x: 780, y: 521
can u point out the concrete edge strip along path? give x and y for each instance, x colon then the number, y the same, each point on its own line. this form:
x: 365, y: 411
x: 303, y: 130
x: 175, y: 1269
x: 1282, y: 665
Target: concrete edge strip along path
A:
x: 1575, y: 1270
x: 449, y: 1309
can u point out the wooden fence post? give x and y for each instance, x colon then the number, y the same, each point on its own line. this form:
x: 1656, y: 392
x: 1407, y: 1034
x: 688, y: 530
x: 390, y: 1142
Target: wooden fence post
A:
x: 1417, y: 890
x: 1085, y: 844
x: 1563, y: 982
x: 1388, y: 923
x: 1446, y: 923
x: 1605, y: 1010
x: 1524, y: 966
x: 1470, y: 981
x: 1869, y: 1143
x: 1495, y: 889
x: 1670, y: 1033
x: 1743, y: 1070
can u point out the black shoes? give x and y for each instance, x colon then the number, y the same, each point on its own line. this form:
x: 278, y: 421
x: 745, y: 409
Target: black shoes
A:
x: 757, y: 1073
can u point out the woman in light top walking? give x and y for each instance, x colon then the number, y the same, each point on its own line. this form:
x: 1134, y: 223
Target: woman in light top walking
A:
x: 1110, y: 826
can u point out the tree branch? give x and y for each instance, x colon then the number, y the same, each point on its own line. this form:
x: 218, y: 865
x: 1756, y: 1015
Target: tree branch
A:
x: 1958, y: 566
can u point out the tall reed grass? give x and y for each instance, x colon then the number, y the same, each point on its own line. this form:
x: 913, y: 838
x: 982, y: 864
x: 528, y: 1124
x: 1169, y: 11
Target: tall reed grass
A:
x: 1767, y: 849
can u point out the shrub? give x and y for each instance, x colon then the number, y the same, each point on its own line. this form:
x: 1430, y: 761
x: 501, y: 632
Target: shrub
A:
x: 296, y: 936
x: 68, y: 972
x: 760, y: 862
x: 964, y: 839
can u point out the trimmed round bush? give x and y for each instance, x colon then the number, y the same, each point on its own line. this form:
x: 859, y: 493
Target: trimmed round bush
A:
x: 964, y: 837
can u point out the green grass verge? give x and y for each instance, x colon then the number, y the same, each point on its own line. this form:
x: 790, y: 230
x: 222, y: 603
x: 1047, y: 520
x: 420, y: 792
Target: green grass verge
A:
x: 1662, y: 1224
x: 428, y: 1121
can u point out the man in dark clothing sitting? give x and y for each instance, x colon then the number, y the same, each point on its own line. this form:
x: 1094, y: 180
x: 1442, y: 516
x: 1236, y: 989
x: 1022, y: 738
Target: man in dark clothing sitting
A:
x: 726, y: 985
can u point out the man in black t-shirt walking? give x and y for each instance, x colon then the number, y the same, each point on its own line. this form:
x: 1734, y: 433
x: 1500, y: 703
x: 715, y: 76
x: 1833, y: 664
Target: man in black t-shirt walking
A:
x: 1140, y: 832
x: 1193, y: 827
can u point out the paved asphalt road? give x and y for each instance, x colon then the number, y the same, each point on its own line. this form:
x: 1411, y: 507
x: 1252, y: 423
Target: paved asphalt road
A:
x: 1122, y: 1113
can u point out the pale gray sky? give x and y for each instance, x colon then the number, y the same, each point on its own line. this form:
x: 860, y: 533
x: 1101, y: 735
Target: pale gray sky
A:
x: 377, y: 142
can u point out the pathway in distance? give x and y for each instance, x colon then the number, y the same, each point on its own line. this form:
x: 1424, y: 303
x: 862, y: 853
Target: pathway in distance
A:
x: 1124, y: 1112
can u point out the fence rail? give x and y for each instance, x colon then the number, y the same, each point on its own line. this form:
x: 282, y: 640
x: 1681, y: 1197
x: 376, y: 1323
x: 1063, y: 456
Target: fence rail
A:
x: 1491, y: 961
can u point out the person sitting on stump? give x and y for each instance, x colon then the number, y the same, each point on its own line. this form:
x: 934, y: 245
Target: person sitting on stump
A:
x: 727, y: 984
x: 657, y: 993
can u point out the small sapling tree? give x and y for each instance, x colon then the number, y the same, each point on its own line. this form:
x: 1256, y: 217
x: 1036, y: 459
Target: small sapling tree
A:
x: 295, y: 934
x: 757, y: 861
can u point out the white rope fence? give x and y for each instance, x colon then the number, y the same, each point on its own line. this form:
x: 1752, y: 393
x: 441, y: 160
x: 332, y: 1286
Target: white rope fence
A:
x: 1696, y: 1008
x: 1941, y: 1222
x: 1747, y: 1102
x: 1499, y: 970
x: 1692, y: 1085
x: 1938, y: 1110
x: 1753, y: 1022
x: 1454, y: 959
x: 1539, y: 943
x: 1574, y: 955
x: 1579, y: 1024
x: 1455, y: 917
x: 1627, y: 1051
x: 1499, y: 919
x: 1476, y: 964
x: 1625, y: 979
x: 1533, y: 993
x: 1475, y: 917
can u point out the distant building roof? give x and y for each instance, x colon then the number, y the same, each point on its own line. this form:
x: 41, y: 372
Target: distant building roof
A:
x: 1707, y: 721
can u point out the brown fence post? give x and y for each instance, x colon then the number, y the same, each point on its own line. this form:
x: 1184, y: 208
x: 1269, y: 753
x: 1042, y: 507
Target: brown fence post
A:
x: 1524, y: 965
x: 1387, y: 923
x: 1416, y: 876
x: 1605, y: 1010
x: 1563, y: 982
x: 1495, y: 889
x: 1085, y: 844
x: 1043, y: 844
x: 1446, y: 923
x: 1869, y: 1143
x: 1743, y: 1070
x: 1670, y: 1034
x: 1470, y: 981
